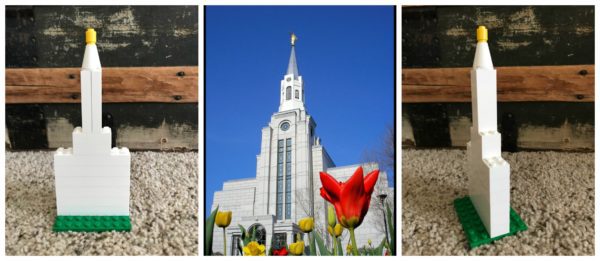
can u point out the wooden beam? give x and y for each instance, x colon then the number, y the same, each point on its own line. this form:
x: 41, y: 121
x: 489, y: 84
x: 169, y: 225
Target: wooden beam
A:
x: 119, y: 84
x: 568, y: 83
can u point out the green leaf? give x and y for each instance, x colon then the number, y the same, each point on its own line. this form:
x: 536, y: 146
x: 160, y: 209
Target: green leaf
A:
x: 253, y: 238
x: 311, y: 244
x: 208, y: 232
x: 243, y: 230
x: 322, y: 248
x: 340, y: 248
x: 378, y: 251
x: 392, y: 230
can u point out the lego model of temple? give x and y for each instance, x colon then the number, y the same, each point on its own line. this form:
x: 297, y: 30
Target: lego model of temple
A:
x: 486, y: 214
x: 92, y: 179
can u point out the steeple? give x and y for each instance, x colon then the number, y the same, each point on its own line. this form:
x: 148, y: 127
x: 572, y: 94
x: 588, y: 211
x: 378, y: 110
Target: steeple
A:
x: 292, y: 65
x: 292, y: 86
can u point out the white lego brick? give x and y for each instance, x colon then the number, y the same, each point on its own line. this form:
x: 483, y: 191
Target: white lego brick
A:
x: 97, y: 101
x: 491, y: 144
x: 74, y: 206
x: 93, y: 143
x: 483, y: 91
x: 91, y: 191
x: 499, y: 222
x: 91, y: 165
x: 86, y: 100
x: 97, y: 180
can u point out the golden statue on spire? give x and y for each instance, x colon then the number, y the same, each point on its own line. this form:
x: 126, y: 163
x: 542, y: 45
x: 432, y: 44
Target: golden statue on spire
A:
x: 293, y: 39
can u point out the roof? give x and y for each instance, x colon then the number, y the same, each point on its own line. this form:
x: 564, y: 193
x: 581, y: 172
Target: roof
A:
x: 292, y: 65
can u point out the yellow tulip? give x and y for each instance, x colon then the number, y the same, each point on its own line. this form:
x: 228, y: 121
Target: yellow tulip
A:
x: 331, y: 216
x: 223, y: 219
x: 254, y: 249
x: 369, y: 242
x: 337, y: 230
x: 306, y: 224
x: 297, y: 248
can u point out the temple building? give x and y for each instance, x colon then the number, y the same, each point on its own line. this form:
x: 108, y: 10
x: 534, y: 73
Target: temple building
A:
x: 286, y: 186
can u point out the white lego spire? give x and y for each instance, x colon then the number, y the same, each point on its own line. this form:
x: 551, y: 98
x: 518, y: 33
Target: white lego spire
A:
x: 489, y: 174
x: 91, y: 178
x: 483, y: 59
x: 91, y: 59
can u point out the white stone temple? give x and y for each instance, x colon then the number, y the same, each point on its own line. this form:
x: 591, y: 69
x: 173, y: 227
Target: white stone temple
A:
x: 286, y: 186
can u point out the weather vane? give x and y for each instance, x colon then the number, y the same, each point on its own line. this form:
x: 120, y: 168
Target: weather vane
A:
x: 293, y: 39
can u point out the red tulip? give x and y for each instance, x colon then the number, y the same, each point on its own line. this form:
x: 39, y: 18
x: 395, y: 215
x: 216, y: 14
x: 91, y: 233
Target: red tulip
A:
x: 351, y: 199
x: 280, y: 252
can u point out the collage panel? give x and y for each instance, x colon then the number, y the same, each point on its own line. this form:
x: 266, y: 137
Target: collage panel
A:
x: 101, y: 130
x: 498, y: 130
x: 275, y: 183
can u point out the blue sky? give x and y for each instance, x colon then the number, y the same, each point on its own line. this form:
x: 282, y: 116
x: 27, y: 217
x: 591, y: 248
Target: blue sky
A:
x: 345, y: 56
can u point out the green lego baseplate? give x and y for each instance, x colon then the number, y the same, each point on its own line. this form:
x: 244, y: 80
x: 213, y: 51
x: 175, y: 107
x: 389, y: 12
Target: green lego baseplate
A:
x: 91, y: 223
x: 475, y: 231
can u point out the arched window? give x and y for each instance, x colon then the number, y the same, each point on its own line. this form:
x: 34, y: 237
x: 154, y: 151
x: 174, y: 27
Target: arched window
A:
x: 288, y: 93
x: 260, y: 233
x: 297, y: 94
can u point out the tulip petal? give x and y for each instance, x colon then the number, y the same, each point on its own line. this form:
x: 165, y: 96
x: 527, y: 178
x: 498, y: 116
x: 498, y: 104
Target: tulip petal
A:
x: 331, y: 187
x: 352, y: 194
x: 370, y: 181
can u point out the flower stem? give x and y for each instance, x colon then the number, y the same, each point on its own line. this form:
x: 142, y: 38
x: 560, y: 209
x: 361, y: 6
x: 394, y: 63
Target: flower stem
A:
x: 224, y: 243
x: 354, y: 246
x: 335, y: 246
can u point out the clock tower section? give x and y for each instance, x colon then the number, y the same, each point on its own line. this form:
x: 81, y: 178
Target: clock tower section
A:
x: 284, y: 175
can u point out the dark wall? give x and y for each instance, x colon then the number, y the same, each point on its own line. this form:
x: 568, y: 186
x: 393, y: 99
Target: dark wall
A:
x: 436, y: 37
x: 141, y: 36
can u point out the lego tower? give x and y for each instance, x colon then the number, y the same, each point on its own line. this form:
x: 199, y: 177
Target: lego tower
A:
x: 489, y: 174
x: 92, y: 180
x: 486, y: 214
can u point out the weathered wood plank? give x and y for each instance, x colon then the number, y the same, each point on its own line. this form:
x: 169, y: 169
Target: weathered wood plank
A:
x: 177, y: 84
x: 569, y: 83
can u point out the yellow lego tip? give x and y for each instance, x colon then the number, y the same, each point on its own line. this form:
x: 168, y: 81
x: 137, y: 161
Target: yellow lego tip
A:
x: 90, y: 36
x: 482, y: 34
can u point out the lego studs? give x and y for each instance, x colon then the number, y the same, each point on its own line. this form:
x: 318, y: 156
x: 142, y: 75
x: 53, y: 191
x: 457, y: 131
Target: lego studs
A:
x: 482, y: 34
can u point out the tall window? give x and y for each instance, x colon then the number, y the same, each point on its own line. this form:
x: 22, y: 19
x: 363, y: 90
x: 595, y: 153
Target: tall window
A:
x: 297, y: 94
x: 279, y: 199
x: 235, y: 250
x: 288, y: 93
x: 288, y: 178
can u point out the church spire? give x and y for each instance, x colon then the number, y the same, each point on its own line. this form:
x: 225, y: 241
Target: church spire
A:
x: 292, y: 65
x: 292, y: 86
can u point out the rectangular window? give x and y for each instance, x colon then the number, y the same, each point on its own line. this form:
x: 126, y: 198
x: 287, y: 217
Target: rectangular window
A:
x: 288, y: 178
x: 235, y: 250
x: 279, y: 192
x: 279, y: 240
